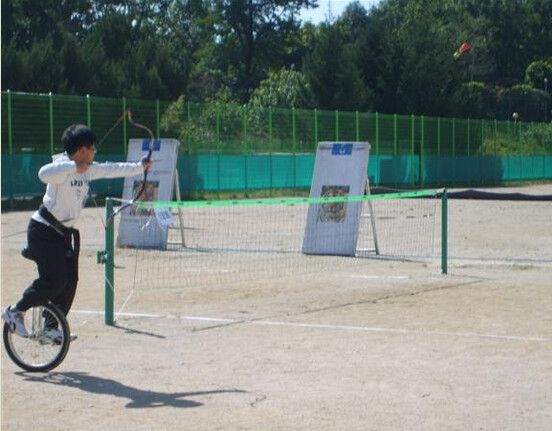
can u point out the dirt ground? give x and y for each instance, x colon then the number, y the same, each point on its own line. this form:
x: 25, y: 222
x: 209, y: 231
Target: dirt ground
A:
x: 391, y: 345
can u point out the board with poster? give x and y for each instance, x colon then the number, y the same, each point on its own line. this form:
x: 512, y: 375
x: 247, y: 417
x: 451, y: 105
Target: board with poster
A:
x: 143, y: 228
x: 340, y: 169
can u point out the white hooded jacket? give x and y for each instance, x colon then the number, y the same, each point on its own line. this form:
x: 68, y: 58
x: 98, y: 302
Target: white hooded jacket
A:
x: 67, y: 190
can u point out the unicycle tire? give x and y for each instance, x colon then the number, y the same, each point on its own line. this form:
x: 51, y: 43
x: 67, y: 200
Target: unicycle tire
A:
x: 45, y: 348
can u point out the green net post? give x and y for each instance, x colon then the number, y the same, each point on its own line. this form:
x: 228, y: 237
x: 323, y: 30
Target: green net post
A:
x: 444, y: 231
x: 109, y: 262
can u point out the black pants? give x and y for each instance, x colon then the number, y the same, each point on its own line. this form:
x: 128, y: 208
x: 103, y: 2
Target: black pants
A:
x: 57, y: 269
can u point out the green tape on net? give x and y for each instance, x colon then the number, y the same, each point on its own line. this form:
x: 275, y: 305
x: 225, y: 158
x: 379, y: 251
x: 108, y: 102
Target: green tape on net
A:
x: 286, y: 201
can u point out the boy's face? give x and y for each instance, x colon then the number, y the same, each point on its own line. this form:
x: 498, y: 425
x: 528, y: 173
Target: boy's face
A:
x: 85, y: 154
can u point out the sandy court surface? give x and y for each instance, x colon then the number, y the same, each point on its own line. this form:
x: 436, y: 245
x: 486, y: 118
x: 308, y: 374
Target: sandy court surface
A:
x: 388, y: 345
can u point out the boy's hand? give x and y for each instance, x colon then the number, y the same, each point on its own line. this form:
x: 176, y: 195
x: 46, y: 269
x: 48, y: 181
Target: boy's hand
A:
x: 146, y: 163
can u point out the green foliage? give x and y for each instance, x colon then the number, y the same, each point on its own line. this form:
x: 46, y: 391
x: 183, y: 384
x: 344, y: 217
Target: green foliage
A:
x: 333, y: 75
x: 284, y: 88
x: 394, y: 58
x: 537, y: 72
x: 526, y: 101
x: 475, y: 100
x: 522, y: 141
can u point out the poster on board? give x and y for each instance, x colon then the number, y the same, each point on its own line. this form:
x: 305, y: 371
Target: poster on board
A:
x: 340, y: 169
x: 139, y: 227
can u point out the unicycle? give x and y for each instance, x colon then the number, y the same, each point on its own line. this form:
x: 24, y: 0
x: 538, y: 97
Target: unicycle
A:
x: 47, y: 343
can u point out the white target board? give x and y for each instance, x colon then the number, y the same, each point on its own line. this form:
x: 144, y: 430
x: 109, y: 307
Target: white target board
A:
x: 340, y: 169
x: 146, y: 228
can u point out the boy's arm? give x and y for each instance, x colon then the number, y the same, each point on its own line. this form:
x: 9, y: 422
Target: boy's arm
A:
x: 56, y: 173
x: 115, y: 170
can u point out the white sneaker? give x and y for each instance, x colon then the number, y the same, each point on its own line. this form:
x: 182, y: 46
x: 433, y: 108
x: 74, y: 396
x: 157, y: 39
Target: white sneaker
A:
x: 16, y: 320
x: 55, y: 335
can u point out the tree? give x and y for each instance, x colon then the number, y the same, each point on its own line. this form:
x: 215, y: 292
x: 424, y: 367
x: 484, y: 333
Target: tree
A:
x: 537, y: 72
x: 255, y: 38
x: 284, y: 88
x: 332, y: 72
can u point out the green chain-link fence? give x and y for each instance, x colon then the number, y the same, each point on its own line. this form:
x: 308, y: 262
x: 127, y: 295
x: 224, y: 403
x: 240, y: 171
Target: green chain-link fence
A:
x: 246, y: 148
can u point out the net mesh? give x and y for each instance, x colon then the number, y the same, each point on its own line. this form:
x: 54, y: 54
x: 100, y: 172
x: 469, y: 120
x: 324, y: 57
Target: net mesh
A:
x: 231, y: 241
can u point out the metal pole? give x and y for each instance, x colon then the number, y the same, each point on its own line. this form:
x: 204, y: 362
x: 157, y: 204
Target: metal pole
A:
x: 109, y: 263
x: 444, y: 232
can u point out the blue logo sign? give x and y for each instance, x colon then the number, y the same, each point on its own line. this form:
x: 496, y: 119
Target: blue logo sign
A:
x: 146, y: 145
x: 342, y: 149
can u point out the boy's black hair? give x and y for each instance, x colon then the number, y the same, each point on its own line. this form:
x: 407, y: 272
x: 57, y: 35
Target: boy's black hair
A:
x: 77, y: 136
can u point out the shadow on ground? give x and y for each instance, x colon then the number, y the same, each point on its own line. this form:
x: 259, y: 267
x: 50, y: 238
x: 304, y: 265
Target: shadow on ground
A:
x: 139, y: 398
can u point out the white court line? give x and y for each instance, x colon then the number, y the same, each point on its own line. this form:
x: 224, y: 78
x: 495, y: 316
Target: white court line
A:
x: 380, y: 277
x: 323, y: 326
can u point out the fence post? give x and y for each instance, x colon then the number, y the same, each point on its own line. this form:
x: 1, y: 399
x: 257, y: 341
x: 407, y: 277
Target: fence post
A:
x: 482, y: 134
x: 218, y: 149
x: 336, y: 125
x: 88, y: 112
x: 468, y: 137
x: 395, y: 134
x: 439, y: 136
x: 495, y: 133
x: 157, y: 118
x: 377, y: 134
x: 357, y: 127
x: 453, y: 151
x: 294, y: 143
x: 51, y: 120
x: 315, y: 128
x: 244, y: 148
x: 422, y: 151
x: 10, y: 147
x: 270, y: 148
x: 124, y: 126
x: 412, y: 150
